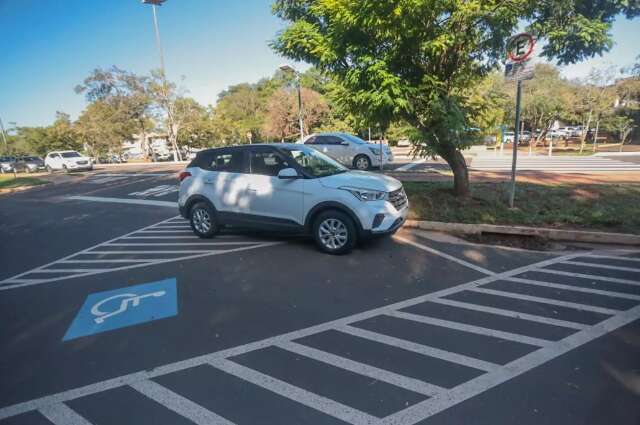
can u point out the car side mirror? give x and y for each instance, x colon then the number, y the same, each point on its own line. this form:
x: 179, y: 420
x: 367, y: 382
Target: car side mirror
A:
x: 288, y: 174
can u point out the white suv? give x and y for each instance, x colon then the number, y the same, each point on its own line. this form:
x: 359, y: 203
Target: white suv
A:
x: 349, y: 150
x: 289, y: 188
x: 67, y: 161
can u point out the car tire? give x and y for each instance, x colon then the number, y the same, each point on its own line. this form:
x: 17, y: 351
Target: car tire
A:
x: 361, y: 162
x: 65, y: 169
x: 334, y: 232
x: 49, y: 169
x: 202, y: 217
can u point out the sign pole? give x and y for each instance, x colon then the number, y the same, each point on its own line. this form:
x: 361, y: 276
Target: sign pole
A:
x: 516, y: 139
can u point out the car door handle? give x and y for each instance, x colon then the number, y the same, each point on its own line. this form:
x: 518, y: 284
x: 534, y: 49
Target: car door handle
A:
x: 252, y: 190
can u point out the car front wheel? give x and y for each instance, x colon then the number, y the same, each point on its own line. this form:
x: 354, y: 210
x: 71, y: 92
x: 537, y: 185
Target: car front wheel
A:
x: 203, y: 220
x: 361, y: 162
x: 334, y: 232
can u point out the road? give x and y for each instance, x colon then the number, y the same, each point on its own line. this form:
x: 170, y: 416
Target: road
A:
x: 115, y: 313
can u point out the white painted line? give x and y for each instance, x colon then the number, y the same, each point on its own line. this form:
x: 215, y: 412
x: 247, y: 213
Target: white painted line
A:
x: 69, y: 270
x: 186, y: 251
x: 103, y: 261
x: 423, y: 410
x: 372, y: 372
x: 545, y: 300
x: 156, y: 230
x: 134, y: 266
x: 124, y: 201
x: 603, y: 266
x: 175, y: 226
x: 588, y: 276
x: 17, y: 277
x: 411, y: 165
x: 509, y: 313
x: 315, y: 401
x: 443, y: 255
x: 183, y: 243
x: 575, y: 288
x: 61, y: 414
x: 191, y: 236
x: 182, y: 406
x: 478, y: 330
x: 71, y: 394
x: 419, y: 348
x: 613, y: 257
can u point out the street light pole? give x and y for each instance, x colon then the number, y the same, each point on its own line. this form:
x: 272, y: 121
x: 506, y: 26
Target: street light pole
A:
x: 158, y: 42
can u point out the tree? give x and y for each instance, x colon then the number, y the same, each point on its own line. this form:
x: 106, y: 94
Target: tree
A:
x: 593, y: 99
x: 418, y: 60
x: 125, y: 91
x: 281, y: 121
x: 102, y: 127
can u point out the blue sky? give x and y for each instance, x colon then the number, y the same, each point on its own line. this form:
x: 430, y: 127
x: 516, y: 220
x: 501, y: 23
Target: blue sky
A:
x: 47, y: 47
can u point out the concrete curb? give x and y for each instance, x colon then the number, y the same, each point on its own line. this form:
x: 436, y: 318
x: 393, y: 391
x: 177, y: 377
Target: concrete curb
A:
x: 551, y: 234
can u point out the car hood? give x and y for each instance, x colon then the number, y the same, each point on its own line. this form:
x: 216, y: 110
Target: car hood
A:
x: 362, y: 180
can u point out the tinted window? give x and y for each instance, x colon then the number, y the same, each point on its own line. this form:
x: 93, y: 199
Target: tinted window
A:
x: 311, y: 141
x: 70, y: 154
x: 266, y: 162
x: 225, y: 161
x: 328, y: 140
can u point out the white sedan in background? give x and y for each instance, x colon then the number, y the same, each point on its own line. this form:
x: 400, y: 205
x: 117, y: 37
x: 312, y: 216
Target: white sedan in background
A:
x: 349, y: 150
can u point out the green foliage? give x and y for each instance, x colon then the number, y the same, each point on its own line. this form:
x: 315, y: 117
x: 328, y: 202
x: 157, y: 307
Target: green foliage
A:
x: 419, y: 60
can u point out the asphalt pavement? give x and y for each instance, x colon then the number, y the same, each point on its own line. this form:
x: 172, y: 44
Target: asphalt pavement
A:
x: 114, y: 312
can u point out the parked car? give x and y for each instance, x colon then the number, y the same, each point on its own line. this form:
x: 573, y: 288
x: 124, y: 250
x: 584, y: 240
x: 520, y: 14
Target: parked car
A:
x: 404, y: 143
x: 67, y: 161
x: 289, y: 188
x: 29, y: 164
x: 349, y: 150
x: 6, y: 164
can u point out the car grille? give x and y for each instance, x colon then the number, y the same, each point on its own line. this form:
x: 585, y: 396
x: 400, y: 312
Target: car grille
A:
x: 81, y: 162
x: 398, y: 198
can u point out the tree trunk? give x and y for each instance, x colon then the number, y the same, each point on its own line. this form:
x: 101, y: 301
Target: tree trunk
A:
x: 595, y: 138
x: 458, y: 165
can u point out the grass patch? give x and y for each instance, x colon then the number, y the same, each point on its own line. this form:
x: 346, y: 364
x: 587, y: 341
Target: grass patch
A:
x: 602, y: 207
x: 9, y: 182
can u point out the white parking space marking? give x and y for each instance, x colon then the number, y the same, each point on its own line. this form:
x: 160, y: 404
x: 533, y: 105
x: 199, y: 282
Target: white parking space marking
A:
x: 124, y: 201
x: 315, y: 401
x: 541, y: 351
x: 590, y: 276
x: 411, y: 165
x: 553, y: 164
x: 604, y: 266
x: 61, y: 414
x: 104, y: 180
x: 443, y: 255
x: 575, y: 288
x: 68, y: 267
x: 182, y: 406
x: 157, y: 191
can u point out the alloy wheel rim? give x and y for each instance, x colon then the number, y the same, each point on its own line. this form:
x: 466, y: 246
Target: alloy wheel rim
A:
x: 201, y: 221
x: 333, y: 233
x: 362, y: 164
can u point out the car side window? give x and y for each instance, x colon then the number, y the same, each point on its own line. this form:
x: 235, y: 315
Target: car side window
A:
x: 227, y: 162
x: 330, y: 140
x: 313, y: 140
x: 266, y: 162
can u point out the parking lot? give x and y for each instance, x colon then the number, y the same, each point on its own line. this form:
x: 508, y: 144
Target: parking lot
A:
x: 263, y: 329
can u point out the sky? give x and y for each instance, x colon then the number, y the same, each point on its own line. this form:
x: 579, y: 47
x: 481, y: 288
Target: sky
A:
x: 47, y: 47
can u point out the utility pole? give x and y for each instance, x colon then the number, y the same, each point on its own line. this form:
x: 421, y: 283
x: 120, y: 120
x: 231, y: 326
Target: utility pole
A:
x: 4, y: 138
x: 285, y: 67
x: 516, y: 139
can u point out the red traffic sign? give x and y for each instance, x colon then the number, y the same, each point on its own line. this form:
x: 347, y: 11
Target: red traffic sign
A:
x: 520, y: 47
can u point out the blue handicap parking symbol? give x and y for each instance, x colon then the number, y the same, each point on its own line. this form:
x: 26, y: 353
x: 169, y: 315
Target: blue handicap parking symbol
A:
x: 119, y: 308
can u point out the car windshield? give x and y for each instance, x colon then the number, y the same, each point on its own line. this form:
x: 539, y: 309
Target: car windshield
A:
x: 31, y: 158
x: 354, y: 139
x: 314, y: 163
x: 70, y: 154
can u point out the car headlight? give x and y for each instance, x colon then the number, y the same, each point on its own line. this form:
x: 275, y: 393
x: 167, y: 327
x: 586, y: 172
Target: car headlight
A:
x: 374, y: 151
x: 366, y: 194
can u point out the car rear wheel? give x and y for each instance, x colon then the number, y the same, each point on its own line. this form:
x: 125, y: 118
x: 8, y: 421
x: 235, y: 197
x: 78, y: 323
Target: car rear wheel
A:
x: 361, y: 162
x: 203, y: 220
x: 334, y: 232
